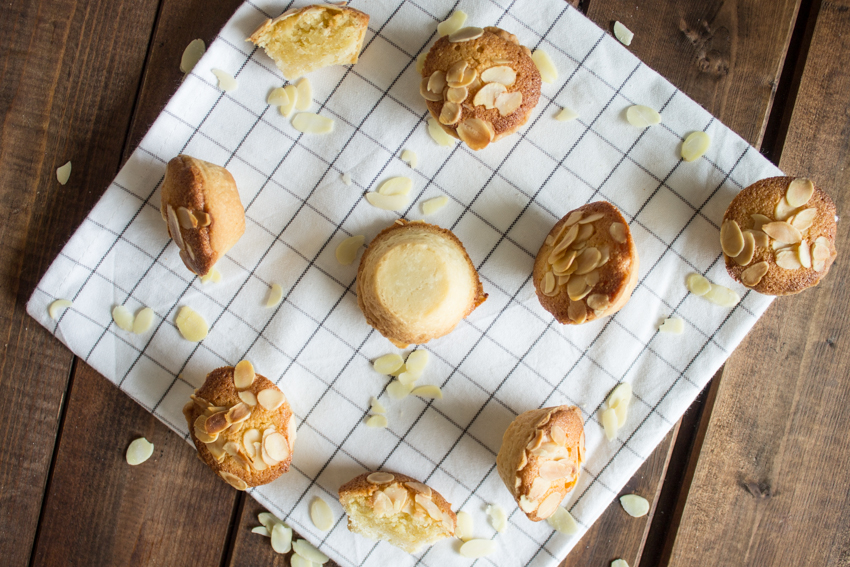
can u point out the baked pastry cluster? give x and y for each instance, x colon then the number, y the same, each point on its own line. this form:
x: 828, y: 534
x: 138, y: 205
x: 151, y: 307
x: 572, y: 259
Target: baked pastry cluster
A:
x: 540, y: 458
x: 201, y: 206
x: 303, y: 40
x: 416, y: 282
x: 778, y: 235
x: 242, y: 426
x: 588, y: 266
x: 480, y: 84
x: 398, y: 509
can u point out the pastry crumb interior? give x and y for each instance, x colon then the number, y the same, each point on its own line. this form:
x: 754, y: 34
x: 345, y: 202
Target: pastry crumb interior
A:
x: 400, y: 529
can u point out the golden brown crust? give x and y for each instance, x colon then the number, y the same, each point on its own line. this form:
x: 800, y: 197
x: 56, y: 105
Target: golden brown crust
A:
x: 359, y: 487
x: 495, y: 47
x: 220, y: 391
x: 529, y: 444
x: 402, y: 333
x: 208, y: 194
x: 617, y: 277
x: 761, y: 198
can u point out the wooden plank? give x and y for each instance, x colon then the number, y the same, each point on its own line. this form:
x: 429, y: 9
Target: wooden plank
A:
x: 770, y: 486
x: 70, y: 70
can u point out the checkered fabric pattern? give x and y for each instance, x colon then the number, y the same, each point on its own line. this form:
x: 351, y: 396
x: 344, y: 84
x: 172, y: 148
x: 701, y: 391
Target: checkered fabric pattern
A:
x: 509, y: 356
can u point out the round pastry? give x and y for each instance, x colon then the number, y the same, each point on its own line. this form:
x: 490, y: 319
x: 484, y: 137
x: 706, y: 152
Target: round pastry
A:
x: 242, y: 426
x: 778, y: 235
x: 588, y: 266
x: 397, y: 509
x: 480, y: 85
x: 201, y: 206
x: 416, y: 282
x: 540, y: 458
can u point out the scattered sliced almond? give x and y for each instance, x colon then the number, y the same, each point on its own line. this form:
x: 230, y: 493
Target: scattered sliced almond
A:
x: 213, y: 276
x: 63, y: 173
x: 261, y: 530
x: 673, y: 325
x: 226, y: 82
x: 281, y: 538
x: 275, y: 295
x: 428, y: 391
x: 619, y: 563
x: 420, y: 62
x: 499, y: 74
x: 143, y: 321
x: 346, y: 178
x: 621, y: 394
x: 378, y: 421
x: 478, y: 548
x: 416, y: 362
x: 623, y: 34
x: 123, y: 318
x: 410, y: 158
x: 634, y: 505
x: 548, y: 71
x: 278, y: 97
x: 498, y: 517
x: 139, y: 451
x: 438, y: 134
x: 310, y: 123
x: 398, y: 390
x: 508, y: 103
x: 387, y: 202
x: 191, y: 55
x: 396, y: 186
x: 698, y: 285
x: 799, y: 192
x: 298, y: 561
x: 346, y: 251
x: 376, y: 406
x: 269, y: 520
x: 695, y: 145
x: 641, y: 116
x: 305, y: 94
x: 291, y: 100
x: 465, y: 34
x: 566, y: 114
x: 270, y: 398
x: 53, y: 309
x: 452, y: 24
x: 464, y: 528
x: 563, y: 521
x: 408, y: 379
x: 431, y: 206
x: 388, y: 363
x: 609, y: 423
x: 321, y: 514
x: 722, y: 296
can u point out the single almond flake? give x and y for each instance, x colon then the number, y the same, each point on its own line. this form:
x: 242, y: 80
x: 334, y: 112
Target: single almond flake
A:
x: 486, y: 95
x: 465, y: 527
x: 410, y: 158
x: 281, y: 538
x: 437, y: 82
x: 476, y: 133
x: 270, y: 398
x: 53, y: 309
x: 379, y: 421
x: 310, y: 123
x: 298, y: 561
x: 275, y: 295
x: 508, y: 103
x: 478, y: 548
x: 634, y: 505
x: 563, y: 521
x: 346, y: 251
x: 804, y: 254
x: 450, y: 113
x: 387, y: 202
x: 143, y: 321
x: 191, y: 55
x: 439, y: 135
x: 788, y: 259
x: 566, y: 114
x: 408, y: 379
x: 346, y: 178
x: 278, y: 97
x: 804, y: 219
x: 269, y: 520
x: 618, y: 232
x: 452, y: 24
x: 123, y: 318
x: 609, y: 423
x: 213, y: 276
x: 500, y: 74
x: 749, y: 249
x: 457, y: 94
x: 396, y: 186
x: 291, y: 100
x: 420, y: 62
x: 783, y: 210
x: 620, y: 395
x: 139, y: 451
x: 431, y: 206
x: 759, y: 221
x: 226, y: 81
x: 722, y: 296
x: 261, y: 530
x: 416, y: 362
x: 783, y: 232
x: 388, y: 363
x: 698, y: 285
x: 623, y: 34
x: 321, y: 514
x: 428, y: 391
x: 376, y: 406
x: 641, y: 116
x: 305, y: 94
x: 243, y: 375
x: 465, y: 34
x: 619, y: 563
x: 380, y: 477
x: 799, y: 192
x: 398, y: 390
x: 695, y: 145
x: 498, y: 517
x: 673, y: 326
x: 548, y: 71
x: 63, y: 173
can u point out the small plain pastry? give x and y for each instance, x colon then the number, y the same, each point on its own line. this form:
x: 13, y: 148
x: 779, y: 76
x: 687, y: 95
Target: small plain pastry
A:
x: 201, y: 206
x: 778, y: 235
x: 540, y: 458
x: 303, y: 40
x: 397, y: 509
x: 416, y: 282
x: 480, y: 84
x: 242, y: 426
x: 588, y: 266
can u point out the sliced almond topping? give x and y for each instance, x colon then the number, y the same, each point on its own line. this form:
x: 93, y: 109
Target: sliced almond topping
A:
x: 426, y: 94
x: 550, y: 504
x: 310, y: 123
x: 753, y: 275
x: 270, y: 398
x: 558, y: 435
x: 820, y: 253
x: 420, y: 62
x: 139, y: 451
x: 486, y: 95
x: 623, y: 34
x: 723, y: 296
x: 238, y: 413
x: 457, y: 94
x: 695, y: 145
x: 788, y: 259
x: 387, y: 202
x: 585, y: 231
x: 804, y: 254
x: 465, y: 34
x: 346, y: 251
x: 562, y: 265
x: 598, y: 302
x: 586, y: 261
x: 641, y: 116
x: 53, y: 309
x: 577, y: 312
x: 539, y: 487
x: 429, y: 506
x: 577, y: 289
x: 438, y: 134
x: 174, y: 227
x: 456, y: 72
x: 292, y: 99
x: 380, y: 478
x: 508, y: 103
x: 470, y: 76
x: 428, y: 391
x: 305, y: 94
x: 382, y: 504
x: 548, y: 71
x: 291, y: 431
x: 783, y: 210
x: 216, y: 449
x: 216, y: 423
x: 799, y: 192
x: 249, y: 438
x: 759, y: 221
x: 398, y: 496
x: 243, y: 375
x: 526, y: 505
x: 275, y: 296
x: 673, y: 325
x: 233, y: 480
x: 378, y: 421
x: 465, y: 527
x: 226, y: 82
x: 437, y: 82
x: 566, y: 114
x: 536, y: 441
x: 592, y: 218
x: 618, y: 232
x: 749, y: 249
x: 804, y: 219
x: 782, y: 232
x: 476, y: 133
x: 452, y: 24
x: 760, y: 239
x: 388, y: 363
x: 522, y: 462
x: 500, y: 74
x: 731, y: 238
x: 568, y: 239
x: 554, y: 470
x: 191, y: 55
x: 278, y: 97
x: 450, y: 113
x: 634, y: 505
x: 548, y: 283
x: 276, y: 447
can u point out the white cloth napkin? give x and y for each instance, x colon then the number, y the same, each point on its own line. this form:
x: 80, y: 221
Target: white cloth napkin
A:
x: 509, y: 356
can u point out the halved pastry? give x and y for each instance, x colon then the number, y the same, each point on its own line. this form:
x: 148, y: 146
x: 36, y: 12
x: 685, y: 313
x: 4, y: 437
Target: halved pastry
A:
x: 540, y: 458
x: 588, y: 266
x: 416, y: 282
x: 398, y: 509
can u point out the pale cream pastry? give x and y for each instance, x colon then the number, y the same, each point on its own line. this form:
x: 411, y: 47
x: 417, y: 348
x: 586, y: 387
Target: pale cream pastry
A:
x: 588, y: 266
x: 397, y: 509
x: 201, y: 207
x: 778, y: 235
x: 302, y: 40
x: 480, y: 84
x: 416, y: 282
x: 242, y: 426
x: 540, y: 458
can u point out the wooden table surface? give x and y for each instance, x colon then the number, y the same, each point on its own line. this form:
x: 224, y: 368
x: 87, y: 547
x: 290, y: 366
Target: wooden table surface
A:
x: 756, y: 473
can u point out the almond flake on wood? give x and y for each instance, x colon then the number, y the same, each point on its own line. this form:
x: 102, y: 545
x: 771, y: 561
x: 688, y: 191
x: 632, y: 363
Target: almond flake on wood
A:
x: 306, y: 550
x: 139, y: 451
x: 281, y: 538
x: 63, y: 173
x: 191, y: 55
x: 623, y: 34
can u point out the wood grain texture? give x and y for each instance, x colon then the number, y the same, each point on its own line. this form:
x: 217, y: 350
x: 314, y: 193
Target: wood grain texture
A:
x: 70, y: 72
x: 771, y: 483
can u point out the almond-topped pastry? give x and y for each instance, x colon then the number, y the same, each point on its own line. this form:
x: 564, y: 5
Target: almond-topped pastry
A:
x: 480, y: 84
x: 242, y: 426
x: 416, y: 282
x: 540, y: 458
x: 302, y: 40
x: 588, y: 266
x: 398, y: 509
x: 201, y: 207
x: 778, y: 235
